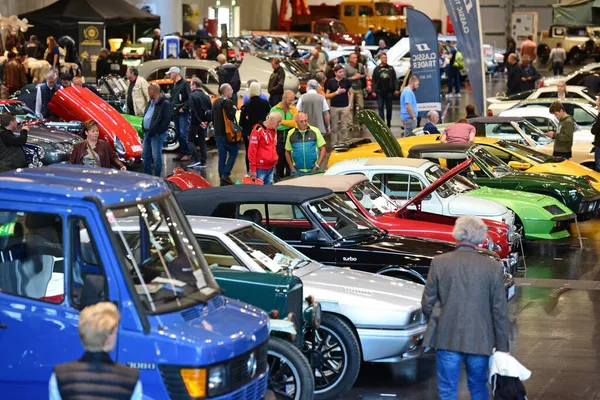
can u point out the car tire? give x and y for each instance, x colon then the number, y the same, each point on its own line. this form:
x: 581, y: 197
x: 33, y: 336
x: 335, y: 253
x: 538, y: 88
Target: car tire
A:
x: 333, y: 333
x: 171, y: 142
x: 575, y: 56
x: 289, y: 367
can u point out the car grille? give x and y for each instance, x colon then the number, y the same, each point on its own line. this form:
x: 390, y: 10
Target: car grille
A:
x: 195, y: 312
x: 241, y: 385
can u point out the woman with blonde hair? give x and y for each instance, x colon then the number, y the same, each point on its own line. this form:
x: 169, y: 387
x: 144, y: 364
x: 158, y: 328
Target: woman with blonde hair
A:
x: 95, y: 374
x: 253, y: 112
x: 561, y: 90
x: 52, y: 53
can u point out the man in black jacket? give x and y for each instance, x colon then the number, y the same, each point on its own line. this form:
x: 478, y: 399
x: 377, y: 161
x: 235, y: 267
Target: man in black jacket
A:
x: 596, y: 133
x: 157, y: 118
x: 180, y: 96
x: 200, y: 108
x: 384, y: 85
x: 11, y: 145
x: 276, y: 82
x: 530, y: 74
x: 223, y: 108
x: 515, y: 75
x: 228, y: 73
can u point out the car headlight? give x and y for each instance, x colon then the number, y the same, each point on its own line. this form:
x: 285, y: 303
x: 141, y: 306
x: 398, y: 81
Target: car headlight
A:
x: 119, y: 147
x: 217, y: 380
x: 415, y: 317
x: 59, y: 147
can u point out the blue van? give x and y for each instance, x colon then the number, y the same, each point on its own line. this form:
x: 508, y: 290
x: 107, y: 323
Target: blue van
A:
x: 61, y: 248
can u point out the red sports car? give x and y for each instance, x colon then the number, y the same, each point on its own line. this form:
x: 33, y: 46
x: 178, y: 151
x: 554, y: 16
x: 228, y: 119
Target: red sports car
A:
x: 369, y: 201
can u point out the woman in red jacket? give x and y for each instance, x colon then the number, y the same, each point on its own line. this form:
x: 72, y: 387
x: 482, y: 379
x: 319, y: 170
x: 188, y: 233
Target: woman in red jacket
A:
x: 262, y: 151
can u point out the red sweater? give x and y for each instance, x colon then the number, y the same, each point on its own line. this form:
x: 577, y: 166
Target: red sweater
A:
x: 262, y: 151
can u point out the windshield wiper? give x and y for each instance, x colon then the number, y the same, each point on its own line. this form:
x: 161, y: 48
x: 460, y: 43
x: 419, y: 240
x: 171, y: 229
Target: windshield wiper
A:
x: 368, y: 233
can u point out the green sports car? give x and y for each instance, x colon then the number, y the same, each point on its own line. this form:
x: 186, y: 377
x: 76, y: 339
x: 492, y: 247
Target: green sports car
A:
x: 488, y: 170
x: 170, y: 144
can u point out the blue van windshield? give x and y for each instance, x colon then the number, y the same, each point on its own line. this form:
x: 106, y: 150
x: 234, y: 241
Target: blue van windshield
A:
x: 167, y: 271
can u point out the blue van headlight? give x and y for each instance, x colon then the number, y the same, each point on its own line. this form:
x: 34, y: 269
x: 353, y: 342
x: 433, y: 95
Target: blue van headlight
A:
x: 217, y: 380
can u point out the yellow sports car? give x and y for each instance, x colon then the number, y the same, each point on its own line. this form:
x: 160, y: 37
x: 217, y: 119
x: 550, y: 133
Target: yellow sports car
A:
x: 519, y: 157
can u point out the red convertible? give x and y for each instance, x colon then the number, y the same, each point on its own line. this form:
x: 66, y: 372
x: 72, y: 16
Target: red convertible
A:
x: 80, y: 104
x: 368, y: 200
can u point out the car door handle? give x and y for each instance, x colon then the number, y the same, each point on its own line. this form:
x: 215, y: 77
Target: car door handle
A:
x: 3, y: 326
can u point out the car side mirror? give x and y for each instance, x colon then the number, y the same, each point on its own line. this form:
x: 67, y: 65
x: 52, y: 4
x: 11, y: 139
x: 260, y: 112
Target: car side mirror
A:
x: 93, y: 290
x: 519, y: 166
x: 311, y: 236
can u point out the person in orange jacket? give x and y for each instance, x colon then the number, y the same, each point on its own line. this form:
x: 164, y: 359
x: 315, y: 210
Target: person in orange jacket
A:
x: 262, y: 150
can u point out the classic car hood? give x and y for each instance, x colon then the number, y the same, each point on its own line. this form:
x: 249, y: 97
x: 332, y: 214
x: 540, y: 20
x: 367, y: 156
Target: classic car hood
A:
x: 41, y: 133
x: 440, y: 181
x: 464, y: 204
x: 235, y: 329
x: 507, y: 197
x: 256, y: 68
x: 397, y: 52
x: 329, y: 283
x: 414, y: 250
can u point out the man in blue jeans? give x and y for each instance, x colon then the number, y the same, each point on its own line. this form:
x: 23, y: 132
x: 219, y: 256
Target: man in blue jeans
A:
x: 408, y: 106
x: 180, y: 96
x: 465, y: 303
x: 223, y: 113
x: 155, y: 124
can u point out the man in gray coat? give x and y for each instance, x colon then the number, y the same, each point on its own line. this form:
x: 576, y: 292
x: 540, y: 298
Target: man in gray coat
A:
x: 465, y: 303
x: 315, y: 106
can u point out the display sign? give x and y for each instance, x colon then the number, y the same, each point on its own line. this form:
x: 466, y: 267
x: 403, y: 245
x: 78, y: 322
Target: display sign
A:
x: 91, y: 41
x: 424, y: 61
x: 466, y: 20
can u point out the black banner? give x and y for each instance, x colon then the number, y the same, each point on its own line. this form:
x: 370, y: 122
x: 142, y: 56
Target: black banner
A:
x: 91, y: 41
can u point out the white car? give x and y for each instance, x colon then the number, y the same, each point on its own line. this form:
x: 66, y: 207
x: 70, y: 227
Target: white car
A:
x: 501, y: 103
x: 383, y: 313
x: 251, y: 68
x: 541, y: 118
x: 584, y: 112
x: 572, y: 78
x: 403, y: 178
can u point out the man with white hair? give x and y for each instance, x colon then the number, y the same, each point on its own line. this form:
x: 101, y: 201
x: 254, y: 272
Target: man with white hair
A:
x: 45, y: 91
x: 223, y: 113
x: 315, y: 106
x: 432, y: 119
x: 95, y: 374
x: 467, y: 311
x: 262, y: 150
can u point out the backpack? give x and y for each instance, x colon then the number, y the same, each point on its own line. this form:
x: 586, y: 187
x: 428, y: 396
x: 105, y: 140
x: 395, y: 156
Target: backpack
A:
x: 232, y: 130
x: 459, y: 62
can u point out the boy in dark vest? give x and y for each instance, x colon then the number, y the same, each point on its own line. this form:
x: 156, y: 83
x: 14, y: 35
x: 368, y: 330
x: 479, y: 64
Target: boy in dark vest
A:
x: 96, y: 375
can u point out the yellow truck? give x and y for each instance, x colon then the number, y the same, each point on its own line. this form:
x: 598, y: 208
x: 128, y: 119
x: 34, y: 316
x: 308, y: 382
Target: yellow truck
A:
x: 358, y: 15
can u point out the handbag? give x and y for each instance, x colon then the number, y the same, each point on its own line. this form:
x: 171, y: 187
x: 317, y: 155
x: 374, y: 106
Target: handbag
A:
x: 232, y: 130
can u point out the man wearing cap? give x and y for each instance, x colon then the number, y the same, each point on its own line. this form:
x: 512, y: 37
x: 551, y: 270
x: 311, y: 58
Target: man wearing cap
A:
x: 180, y: 95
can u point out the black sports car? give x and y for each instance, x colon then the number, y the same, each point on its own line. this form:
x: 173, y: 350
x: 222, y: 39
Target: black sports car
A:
x: 322, y: 226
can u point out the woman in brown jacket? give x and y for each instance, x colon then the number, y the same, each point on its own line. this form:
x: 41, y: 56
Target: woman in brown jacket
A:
x: 94, y: 152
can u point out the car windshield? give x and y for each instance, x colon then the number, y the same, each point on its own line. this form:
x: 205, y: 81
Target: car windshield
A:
x: 17, y: 108
x: 523, y: 151
x: 533, y: 132
x: 339, y: 28
x: 448, y: 188
x: 339, y: 220
x: 372, y: 199
x: 167, y: 268
x: 495, y: 165
x: 269, y: 252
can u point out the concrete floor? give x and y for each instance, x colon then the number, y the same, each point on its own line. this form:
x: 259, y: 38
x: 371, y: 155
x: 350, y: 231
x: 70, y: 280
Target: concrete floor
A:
x: 555, y: 314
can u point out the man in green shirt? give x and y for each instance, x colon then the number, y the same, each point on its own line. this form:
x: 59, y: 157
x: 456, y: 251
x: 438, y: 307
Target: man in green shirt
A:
x: 563, y: 139
x: 288, y: 112
x: 304, y: 148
